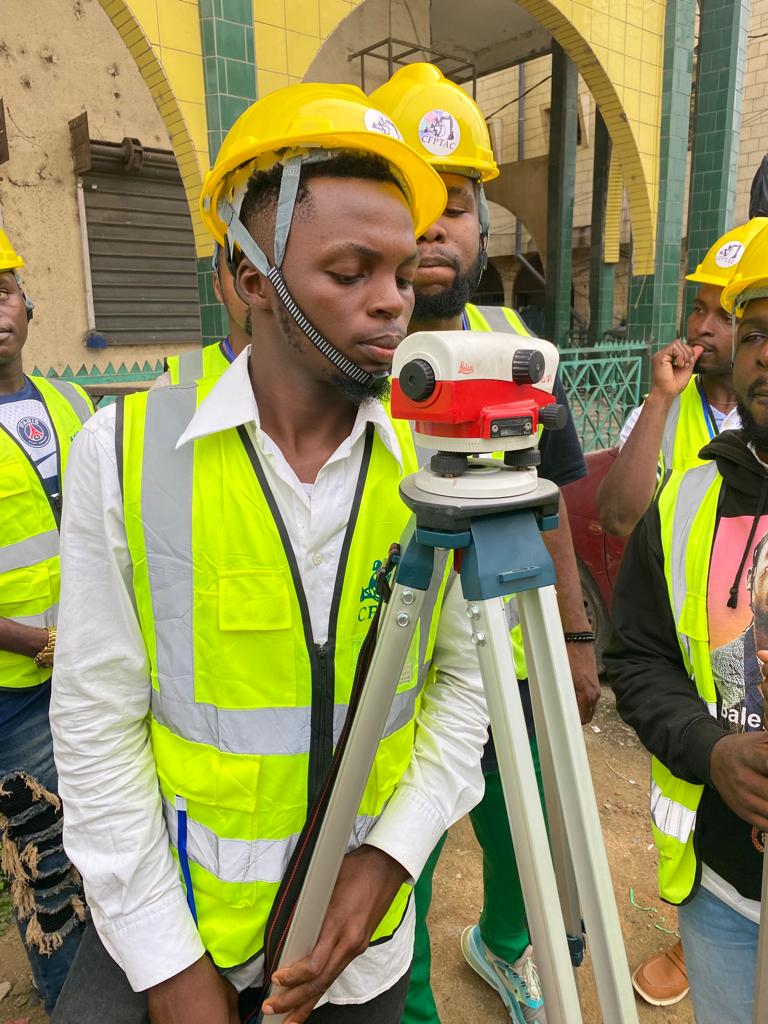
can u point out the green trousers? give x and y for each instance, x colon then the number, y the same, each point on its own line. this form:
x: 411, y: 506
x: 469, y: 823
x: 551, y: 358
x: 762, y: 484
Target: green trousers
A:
x: 503, y: 924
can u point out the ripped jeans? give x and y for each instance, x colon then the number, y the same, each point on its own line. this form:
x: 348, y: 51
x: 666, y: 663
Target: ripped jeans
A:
x: 29, y: 748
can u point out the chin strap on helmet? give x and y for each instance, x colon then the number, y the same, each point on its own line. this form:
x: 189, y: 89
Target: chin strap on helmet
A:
x: 237, y: 234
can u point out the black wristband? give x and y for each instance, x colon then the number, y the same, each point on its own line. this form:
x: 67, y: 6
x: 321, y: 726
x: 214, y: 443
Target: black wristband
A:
x: 585, y: 637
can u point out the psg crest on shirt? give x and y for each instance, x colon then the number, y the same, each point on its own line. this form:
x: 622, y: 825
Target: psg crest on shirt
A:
x: 33, y: 431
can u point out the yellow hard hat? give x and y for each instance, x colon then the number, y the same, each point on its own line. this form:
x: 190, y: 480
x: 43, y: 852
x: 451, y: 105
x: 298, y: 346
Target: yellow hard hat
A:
x: 439, y: 120
x: 9, y: 258
x: 750, y: 275
x: 309, y: 117
x: 718, y: 265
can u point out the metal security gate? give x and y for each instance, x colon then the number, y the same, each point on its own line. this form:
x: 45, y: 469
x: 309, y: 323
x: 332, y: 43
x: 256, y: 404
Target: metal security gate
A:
x: 141, y: 249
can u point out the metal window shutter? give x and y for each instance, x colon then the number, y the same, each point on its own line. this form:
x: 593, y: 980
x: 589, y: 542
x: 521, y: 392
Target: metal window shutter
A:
x: 142, y: 249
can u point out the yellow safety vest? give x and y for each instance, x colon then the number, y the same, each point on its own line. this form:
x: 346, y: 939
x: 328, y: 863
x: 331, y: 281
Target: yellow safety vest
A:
x: 685, y: 431
x: 188, y: 367
x: 29, y: 528
x: 687, y: 513
x: 245, y: 708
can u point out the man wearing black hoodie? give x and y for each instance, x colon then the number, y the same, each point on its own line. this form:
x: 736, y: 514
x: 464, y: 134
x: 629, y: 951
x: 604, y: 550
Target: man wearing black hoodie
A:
x: 679, y: 614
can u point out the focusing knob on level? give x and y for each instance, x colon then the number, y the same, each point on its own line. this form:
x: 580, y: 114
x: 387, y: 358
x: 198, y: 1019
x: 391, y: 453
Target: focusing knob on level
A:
x: 417, y: 380
x: 523, y: 458
x: 527, y: 366
x: 553, y: 417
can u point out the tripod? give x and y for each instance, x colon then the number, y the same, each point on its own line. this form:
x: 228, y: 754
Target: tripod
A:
x: 498, y: 548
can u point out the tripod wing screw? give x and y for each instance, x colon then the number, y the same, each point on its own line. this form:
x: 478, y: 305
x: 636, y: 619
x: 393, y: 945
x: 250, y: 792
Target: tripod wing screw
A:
x: 478, y: 639
x: 407, y: 597
x: 402, y: 619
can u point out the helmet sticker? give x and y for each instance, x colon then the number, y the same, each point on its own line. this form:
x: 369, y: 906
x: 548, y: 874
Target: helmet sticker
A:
x: 439, y: 132
x: 375, y: 121
x: 728, y: 255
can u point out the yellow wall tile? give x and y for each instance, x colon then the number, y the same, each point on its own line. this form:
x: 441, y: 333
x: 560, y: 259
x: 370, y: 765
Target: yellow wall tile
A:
x: 145, y: 12
x: 185, y: 73
x: 179, y: 26
x: 271, y: 12
x: 332, y: 13
x: 268, y: 81
x: 302, y: 16
x: 271, y: 50
x: 301, y: 52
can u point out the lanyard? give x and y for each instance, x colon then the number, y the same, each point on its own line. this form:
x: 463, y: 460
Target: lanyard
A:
x: 709, y: 416
x: 464, y: 322
x: 228, y: 350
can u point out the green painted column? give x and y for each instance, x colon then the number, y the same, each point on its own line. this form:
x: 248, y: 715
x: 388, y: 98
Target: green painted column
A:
x: 226, y: 32
x: 601, y: 274
x: 653, y: 303
x: 719, y: 96
x: 560, y: 189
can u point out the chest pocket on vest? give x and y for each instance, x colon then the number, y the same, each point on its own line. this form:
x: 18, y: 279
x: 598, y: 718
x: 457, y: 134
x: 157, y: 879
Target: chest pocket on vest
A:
x: 26, y: 591
x: 257, y: 637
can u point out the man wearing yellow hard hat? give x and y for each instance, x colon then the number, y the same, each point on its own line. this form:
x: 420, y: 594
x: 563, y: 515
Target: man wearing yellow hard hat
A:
x: 218, y: 558
x: 38, y: 419
x: 441, y: 121
x: 689, y: 666
x: 691, y: 397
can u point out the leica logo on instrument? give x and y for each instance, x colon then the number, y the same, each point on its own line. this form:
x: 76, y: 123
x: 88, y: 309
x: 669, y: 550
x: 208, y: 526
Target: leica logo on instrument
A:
x: 466, y: 367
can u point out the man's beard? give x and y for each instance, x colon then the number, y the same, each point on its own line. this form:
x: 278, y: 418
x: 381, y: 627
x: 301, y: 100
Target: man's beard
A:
x: 376, y: 389
x: 449, y: 302
x: 754, y: 433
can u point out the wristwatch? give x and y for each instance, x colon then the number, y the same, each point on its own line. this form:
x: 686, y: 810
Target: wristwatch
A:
x: 44, y: 658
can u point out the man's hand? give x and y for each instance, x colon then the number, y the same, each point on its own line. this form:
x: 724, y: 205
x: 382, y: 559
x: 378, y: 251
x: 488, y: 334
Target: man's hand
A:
x: 198, y: 995
x: 738, y: 767
x: 672, y: 368
x: 581, y: 658
x: 368, y: 882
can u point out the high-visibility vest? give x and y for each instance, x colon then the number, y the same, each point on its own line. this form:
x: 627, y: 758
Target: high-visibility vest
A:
x: 191, y: 366
x: 29, y: 528
x: 686, y: 431
x: 245, y: 709
x: 687, y: 513
x: 496, y: 318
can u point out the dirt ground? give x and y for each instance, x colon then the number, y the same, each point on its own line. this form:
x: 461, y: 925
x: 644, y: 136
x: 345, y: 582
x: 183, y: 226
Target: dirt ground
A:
x: 620, y: 774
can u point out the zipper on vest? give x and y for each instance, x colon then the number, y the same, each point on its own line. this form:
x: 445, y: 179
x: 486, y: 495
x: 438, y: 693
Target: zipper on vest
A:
x: 323, y: 699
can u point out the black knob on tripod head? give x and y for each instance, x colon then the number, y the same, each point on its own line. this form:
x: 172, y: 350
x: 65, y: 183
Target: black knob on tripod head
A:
x: 527, y: 366
x: 417, y: 380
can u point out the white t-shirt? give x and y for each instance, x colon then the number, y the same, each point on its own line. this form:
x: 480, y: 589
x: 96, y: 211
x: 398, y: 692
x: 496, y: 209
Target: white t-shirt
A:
x: 26, y: 419
x: 723, y: 421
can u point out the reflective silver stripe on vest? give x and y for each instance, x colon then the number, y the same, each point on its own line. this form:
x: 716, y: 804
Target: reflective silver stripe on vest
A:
x: 29, y: 551
x: 240, y: 861
x: 693, y: 487
x: 671, y: 818
x: 166, y: 502
x: 497, y: 321
x: 190, y: 366
x: 670, y: 430
x: 39, y: 621
x: 70, y: 393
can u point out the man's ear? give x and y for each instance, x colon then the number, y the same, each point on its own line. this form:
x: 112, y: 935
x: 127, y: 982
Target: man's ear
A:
x: 748, y: 580
x: 252, y: 286
x: 217, y: 288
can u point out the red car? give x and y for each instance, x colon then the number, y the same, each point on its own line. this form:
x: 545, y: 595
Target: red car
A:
x: 597, y: 552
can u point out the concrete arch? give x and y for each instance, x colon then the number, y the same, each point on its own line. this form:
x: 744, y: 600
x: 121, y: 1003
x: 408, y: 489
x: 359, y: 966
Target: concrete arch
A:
x: 133, y: 34
x: 635, y: 141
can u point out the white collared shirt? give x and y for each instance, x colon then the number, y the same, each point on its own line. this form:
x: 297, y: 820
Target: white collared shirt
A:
x: 114, y: 829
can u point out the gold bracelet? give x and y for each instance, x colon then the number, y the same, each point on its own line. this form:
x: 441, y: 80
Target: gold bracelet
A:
x: 44, y: 658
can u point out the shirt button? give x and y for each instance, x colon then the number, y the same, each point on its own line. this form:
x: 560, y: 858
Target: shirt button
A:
x: 317, y: 559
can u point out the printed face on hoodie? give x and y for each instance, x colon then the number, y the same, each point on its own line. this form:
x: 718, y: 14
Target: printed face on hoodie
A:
x: 750, y: 372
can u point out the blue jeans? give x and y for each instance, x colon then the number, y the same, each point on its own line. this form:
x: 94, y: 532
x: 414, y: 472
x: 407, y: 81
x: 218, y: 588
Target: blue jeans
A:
x: 720, y: 947
x: 29, y: 748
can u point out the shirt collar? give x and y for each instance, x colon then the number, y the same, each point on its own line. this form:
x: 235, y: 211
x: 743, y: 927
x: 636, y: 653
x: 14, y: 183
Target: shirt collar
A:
x: 231, y: 403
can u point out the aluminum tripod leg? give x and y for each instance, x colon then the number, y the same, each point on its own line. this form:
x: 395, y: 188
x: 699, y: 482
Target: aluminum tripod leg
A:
x: 525, y: 813
x: 760, y: 1005
x: 396, y: 632
x: 559, y: 718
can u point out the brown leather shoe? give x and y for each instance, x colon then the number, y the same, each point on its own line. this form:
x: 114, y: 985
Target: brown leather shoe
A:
x: 662, y: 980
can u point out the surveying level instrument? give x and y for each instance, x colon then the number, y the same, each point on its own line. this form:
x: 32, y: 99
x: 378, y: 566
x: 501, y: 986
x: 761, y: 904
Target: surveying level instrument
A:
x: 470, y: 395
